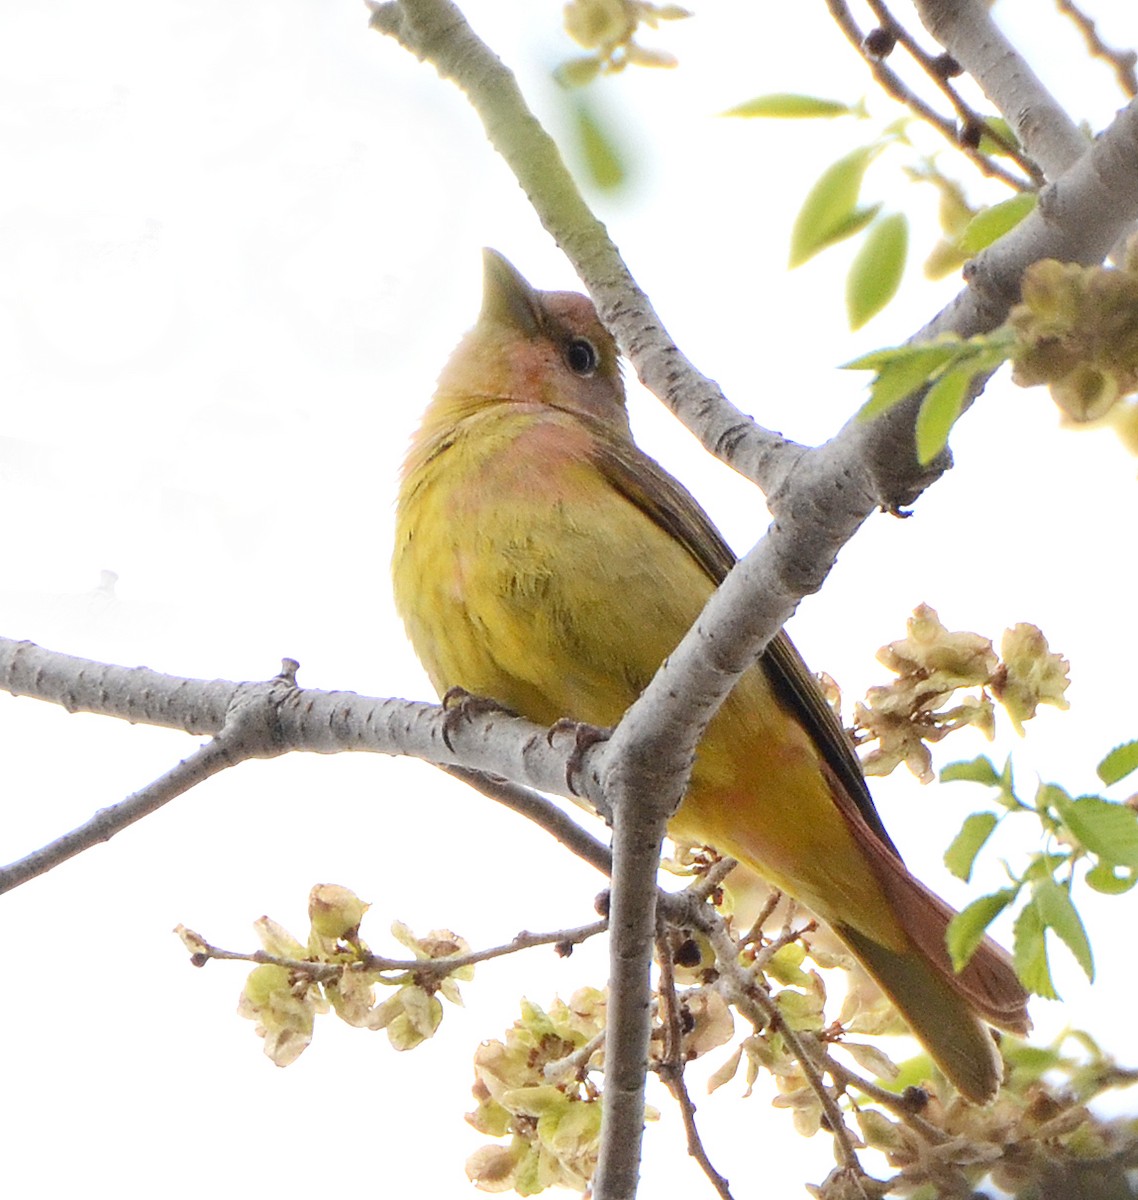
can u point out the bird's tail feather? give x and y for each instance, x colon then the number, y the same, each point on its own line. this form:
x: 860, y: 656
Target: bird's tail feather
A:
x: 958, y: 1040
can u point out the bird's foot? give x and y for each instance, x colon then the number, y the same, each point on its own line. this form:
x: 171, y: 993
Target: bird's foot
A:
x: 585, y: 737
x: 460, y: 705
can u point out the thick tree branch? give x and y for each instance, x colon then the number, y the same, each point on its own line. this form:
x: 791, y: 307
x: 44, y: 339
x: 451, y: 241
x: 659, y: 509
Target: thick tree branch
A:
x: 1079, y: 218
x: 262, y: 720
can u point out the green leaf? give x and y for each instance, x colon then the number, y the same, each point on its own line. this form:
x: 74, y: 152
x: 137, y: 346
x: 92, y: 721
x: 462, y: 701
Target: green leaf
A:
x: 941, y: 407
x: 1108, y: 830
x: 989, y: 145
x: 1050, y: 798
x: 602, y: 159
x: 903, y: 374
x: 1029, y: 952
x: 830, y: 210
x: 1057, y: 912
x: 1029, y: 1060
x: 966, y: 930
x: 577, y: 72
x: 1045, y: 866
x: 961, y: 854
x: 857, y: 220
x: 990, y: 224
x: 877, y: 360
x: 976, y: 770
x: 981, y: 770
x: 875, y: 274
x: 794, y: 106
x: 1119, y: 763
x: 1105, y: 878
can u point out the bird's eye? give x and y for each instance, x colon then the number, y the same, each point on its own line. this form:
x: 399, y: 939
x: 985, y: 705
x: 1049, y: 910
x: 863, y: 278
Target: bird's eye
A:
x: 582, y: 357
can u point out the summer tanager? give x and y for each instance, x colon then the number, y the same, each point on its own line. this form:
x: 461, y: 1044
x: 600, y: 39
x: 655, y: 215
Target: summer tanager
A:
x: 542, y: 560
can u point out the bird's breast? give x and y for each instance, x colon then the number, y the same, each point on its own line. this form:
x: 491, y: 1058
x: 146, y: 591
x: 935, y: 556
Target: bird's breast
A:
x: 522, y: 574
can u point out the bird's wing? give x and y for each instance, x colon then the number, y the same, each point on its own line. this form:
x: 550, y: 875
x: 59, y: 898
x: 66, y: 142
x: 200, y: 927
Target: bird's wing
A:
x: 671, y: 506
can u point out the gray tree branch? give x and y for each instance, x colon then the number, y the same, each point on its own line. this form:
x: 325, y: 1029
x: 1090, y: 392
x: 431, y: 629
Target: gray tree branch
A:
x: 273, y: 717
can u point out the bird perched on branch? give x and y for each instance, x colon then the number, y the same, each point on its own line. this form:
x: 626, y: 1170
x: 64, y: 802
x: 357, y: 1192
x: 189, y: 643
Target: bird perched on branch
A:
x: 541, y: 559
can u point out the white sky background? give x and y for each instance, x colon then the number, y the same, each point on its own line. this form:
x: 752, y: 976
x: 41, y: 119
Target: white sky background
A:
x: 237, y: 242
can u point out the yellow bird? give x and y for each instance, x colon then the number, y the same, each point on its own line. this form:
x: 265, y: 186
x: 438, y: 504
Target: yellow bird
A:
x: 543, y: 560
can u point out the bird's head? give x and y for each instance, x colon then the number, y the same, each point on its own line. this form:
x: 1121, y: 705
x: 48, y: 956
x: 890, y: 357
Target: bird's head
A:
x: 536, y: 348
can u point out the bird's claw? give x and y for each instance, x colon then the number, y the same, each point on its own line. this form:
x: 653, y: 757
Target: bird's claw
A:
x: 585, y: 737
x: 460, y: 705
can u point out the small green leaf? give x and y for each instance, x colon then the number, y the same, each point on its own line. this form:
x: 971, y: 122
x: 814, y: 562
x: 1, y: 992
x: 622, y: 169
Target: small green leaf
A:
x: 577, y: 72
x: 1119, y: 763
x: 1057, y: 912
x: 981, y: 770
x: 1045, y: 866
x: 830, y: 210
x: 901, y: 376
x: 992, y: 223
x: 976, y: 770
x: 989, y: 145
x: 941, y: 407
x: 1050, y: 798
x: 602, y: 159
x: 1029, y: 952
x: 877, y: 360
x: 794, y: 106
x: 875, y: 274
x: 966, y: 930
x: 1029, y: 1060
x: 854, y: 223
x: 1106, y: 878
x: 961, y: 854
x: 1108, y: 830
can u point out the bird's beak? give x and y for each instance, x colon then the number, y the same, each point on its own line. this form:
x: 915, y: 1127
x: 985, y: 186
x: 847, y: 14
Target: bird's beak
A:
x: 507, y: 299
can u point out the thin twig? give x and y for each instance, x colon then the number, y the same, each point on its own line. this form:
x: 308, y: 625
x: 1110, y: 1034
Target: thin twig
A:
x: 968, y: 32
x: 969, y: 118
x: 709, y: 880
x: 901, y: 1105
x: 536, y: 808
x: 787, y: 937
x: 895, y: 86
x: 1122, y: 61
x: 245, y: 734
x: 756, y: 931
x: 268, y: 718
x: 754, y: 1002
x: 574, y: 1063
x: 322, y: 972
x: 672, y: 1062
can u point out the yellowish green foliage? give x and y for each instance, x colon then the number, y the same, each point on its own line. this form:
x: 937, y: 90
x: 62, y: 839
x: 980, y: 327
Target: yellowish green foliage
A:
x: 608, y: 29
x: 1091, y: 838
x: 944, y: 369
x: 1077, y: 332
x: 336, y: 971
x: 536, y: 1089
